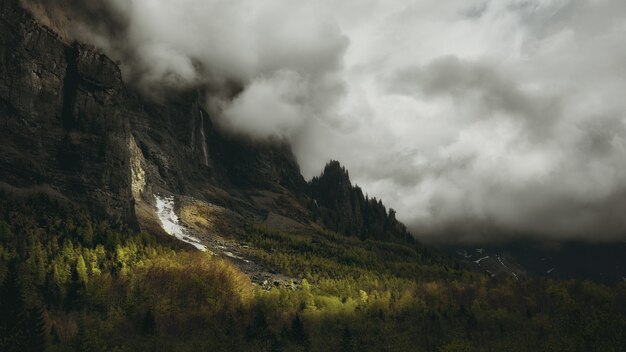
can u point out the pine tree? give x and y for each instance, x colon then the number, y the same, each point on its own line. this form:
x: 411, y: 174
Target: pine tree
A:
x: 297, y: 330
x: 35, y: 330
x: 148, y: 325
x: 15, y: 322
x: 347, y: 341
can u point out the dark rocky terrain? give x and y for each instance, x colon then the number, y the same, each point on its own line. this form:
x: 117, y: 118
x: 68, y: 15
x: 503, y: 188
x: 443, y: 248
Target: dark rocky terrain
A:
x: 71, y: 128
x: 63, y: 126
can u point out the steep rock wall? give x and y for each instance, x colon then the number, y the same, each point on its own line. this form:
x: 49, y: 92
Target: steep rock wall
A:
x: 60, y: 121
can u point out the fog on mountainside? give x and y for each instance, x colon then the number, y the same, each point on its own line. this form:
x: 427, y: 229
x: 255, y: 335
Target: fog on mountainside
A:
x: 475, y: 120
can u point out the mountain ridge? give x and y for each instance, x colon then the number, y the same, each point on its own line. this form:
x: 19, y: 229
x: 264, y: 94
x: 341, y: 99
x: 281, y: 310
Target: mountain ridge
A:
x: 105, y: 146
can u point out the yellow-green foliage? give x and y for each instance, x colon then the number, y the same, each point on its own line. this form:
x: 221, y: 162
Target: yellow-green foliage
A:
x: 99, y: 289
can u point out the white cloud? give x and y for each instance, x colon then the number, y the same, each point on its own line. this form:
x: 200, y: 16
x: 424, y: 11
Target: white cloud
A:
x: 473, y: 119
x: 269, y: 106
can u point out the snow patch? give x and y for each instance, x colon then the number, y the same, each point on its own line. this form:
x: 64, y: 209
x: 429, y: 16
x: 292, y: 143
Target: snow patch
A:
x: 481, y: 259
x: 171, y: 224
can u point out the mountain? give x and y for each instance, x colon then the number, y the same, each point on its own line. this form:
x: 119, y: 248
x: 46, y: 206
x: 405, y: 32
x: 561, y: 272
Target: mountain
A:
x: 72, y: 127
x: 75, y: 131
x: 131, y: 224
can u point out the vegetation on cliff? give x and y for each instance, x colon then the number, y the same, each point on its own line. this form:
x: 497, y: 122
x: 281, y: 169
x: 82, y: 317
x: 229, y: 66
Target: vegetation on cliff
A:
x: 343, y: 208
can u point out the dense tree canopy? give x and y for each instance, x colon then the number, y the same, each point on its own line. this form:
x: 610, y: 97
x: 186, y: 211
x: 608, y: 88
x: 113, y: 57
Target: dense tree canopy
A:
x: 68, y: 282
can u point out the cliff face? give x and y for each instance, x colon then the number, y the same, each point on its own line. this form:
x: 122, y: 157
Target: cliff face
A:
x: 60, y: 122
x: 71, y: 127
x: 188, y: 153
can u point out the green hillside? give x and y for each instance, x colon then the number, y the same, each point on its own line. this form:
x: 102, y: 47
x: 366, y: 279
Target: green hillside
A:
x: 70, y: 283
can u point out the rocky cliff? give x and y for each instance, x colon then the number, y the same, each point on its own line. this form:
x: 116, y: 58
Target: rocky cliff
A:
x: 61, y: 122
x: 71, y: 127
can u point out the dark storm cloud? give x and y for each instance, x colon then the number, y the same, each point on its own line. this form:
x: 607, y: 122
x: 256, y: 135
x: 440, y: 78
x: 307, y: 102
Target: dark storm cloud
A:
x: 482, y: 86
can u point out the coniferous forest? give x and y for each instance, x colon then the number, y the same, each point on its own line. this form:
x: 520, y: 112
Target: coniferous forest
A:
x: 71, y: 283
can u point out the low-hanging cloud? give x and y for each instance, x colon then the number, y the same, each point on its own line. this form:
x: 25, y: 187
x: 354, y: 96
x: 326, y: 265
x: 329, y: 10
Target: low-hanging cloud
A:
x: 292, y: 49
x: 475, y: 119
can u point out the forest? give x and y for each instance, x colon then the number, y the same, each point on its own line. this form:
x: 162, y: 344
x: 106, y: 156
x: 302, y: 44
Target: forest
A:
x: 69, y: 282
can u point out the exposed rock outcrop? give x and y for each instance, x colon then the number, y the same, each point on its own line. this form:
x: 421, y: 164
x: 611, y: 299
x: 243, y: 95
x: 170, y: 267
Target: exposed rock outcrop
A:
x: 343, y: 208
x: 61, y: 125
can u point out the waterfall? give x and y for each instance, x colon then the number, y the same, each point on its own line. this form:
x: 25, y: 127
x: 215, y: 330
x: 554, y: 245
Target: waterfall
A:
x: 170, y: 222
x: 204, y: 148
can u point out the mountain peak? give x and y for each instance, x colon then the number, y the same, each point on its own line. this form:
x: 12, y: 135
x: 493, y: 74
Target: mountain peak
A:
x: 334, y: 167
x: 342, y: 207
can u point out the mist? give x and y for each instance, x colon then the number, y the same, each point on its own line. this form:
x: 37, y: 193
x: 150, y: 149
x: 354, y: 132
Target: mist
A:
x: 475, y: 120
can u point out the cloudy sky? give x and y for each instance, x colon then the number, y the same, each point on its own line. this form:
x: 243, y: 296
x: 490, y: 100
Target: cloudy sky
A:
x: 474, y: 119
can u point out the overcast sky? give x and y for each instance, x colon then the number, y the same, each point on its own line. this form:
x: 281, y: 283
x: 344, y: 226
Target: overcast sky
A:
x: 474, y: 119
